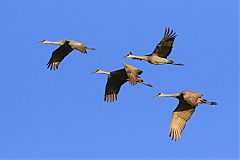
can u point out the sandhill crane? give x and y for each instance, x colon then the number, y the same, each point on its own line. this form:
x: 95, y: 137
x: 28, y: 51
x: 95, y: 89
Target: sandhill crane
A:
x: 66, y: 46
x: 117, y: 78
x: 188, y: 101
x: 162, y: 50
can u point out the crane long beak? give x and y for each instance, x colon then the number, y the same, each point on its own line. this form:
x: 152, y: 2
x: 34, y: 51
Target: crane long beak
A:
x: 127, y: 55
x: 93, y: 72
x: 155, y: 96
x: 41, y: 41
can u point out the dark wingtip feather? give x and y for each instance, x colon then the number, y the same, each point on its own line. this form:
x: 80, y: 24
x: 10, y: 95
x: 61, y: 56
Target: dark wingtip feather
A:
x: 168, y: 29
x: 173, y: 35
x: 165, y: 31
x: 171, y: 32
x: 49, y: 66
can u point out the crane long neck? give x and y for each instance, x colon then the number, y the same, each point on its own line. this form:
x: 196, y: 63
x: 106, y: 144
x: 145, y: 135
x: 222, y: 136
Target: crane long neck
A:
x: 139, y: 57
x: 170, y: 95
x: 52, y: 42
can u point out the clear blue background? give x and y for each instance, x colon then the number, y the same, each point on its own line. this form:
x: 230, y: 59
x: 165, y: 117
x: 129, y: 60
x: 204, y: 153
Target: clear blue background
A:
x: 61, y: 114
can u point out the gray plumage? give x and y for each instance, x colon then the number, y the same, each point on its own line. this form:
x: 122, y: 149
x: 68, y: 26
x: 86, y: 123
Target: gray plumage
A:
x: 66, y: 47
x: 117, y: 78
x: 161, y: 52
x: 188, y: 101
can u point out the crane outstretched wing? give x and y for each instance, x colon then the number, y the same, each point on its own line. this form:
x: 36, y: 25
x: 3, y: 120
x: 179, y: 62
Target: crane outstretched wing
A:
x: 78, y: 46
x: 58, y: 55
x: 164, y: 48
x: 180, y: 116
x: 112, y: 88
x: 191, y: 97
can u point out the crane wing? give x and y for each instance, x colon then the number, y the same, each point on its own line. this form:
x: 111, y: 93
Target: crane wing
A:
x: 112, y: 88
x: 78, y: 46
x: 164, y: 48
x: 58, y: 55
x: 132, y: 73
x: 180, y: 116
x: 191, y: 97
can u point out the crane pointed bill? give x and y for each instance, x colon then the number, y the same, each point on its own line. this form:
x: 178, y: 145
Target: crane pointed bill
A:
x: 42, y: 41
x: 127, y: 55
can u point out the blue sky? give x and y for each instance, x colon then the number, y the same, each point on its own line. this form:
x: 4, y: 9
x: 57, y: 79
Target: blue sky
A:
x: 61, y: 114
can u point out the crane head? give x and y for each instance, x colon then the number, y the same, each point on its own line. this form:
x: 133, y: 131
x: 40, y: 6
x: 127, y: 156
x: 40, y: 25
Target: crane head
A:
x: 128, y: 55
x: 43, y: 41
x: 158, y: 95
x: 99, y: 71
x: 96, y: 71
